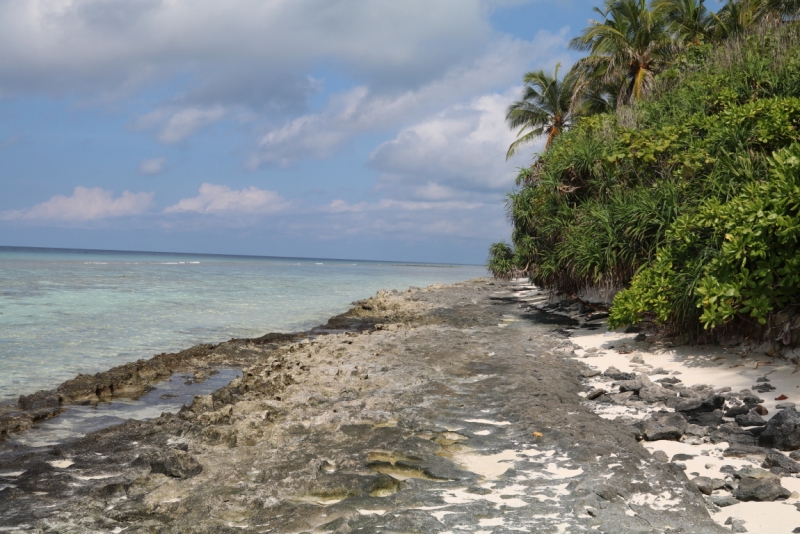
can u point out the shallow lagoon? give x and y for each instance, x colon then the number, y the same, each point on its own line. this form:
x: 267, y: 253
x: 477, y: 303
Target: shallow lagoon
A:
x: 65, y: 312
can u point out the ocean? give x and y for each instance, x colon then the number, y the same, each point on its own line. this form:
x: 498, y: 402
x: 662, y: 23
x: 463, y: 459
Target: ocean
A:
x: 65, y: 312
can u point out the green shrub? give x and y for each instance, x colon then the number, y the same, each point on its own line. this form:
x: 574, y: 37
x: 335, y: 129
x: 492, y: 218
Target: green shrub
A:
x: 688, y: 199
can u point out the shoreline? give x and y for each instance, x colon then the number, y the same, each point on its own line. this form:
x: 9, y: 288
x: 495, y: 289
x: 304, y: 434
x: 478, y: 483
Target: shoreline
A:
x: 286, y: 373
x: 717, y: 446
x: 461, y: 413
x: 132, y: 380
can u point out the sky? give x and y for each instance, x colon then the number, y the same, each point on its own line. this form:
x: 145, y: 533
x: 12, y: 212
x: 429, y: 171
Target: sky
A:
x: 308, y: 128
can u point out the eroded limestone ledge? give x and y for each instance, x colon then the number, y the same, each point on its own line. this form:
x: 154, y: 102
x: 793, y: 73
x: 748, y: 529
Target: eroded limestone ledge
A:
x: 443, y: 410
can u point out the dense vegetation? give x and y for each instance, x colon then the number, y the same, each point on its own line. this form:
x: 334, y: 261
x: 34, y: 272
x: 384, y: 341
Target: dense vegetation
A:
x: 674, y: 172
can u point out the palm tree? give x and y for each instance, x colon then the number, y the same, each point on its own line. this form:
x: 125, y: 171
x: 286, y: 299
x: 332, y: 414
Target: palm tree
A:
x: 690, y: 20
x: 629, y: 46
x: 544, y: 109
x: 737, y: 16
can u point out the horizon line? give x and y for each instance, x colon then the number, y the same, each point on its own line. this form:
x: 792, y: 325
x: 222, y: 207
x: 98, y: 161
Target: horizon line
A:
x: 62, y: 249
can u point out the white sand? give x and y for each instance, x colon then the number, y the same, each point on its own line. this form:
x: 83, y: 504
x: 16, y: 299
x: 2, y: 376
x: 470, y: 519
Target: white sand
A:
x: 715, y: 366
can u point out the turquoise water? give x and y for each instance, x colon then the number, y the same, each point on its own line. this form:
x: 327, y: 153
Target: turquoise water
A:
x: 64, y: 312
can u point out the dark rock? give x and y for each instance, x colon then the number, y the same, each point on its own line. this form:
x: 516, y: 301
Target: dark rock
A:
x: 632, y: 385
x: 760, y: 489
x: 732, y: 433
x: 776, y: 459
x: 633, y: 329
x: 615, y: 374
x: 727, y: 469
x: 589, y: 373
x: 739, y: 450
x: 707, y: 419
x: 176, y: 464
x: 661, y: 456
x: 653, y: 393
x: 764, y: 388
x: 761, y: 379
x: 742, y: 409
x: 40, y: 400
x: 640, y: 337
x: 737, y: 525
x: 750, y: 419
x: 782, y: 431
x: 669, y: 380
x: 795, y: 455
x: 704, y: 484
x: 683, y: 457
x: 752, y: 472
x: 784, y: 405
x: 595, y: 393
x: 760, y: 410
x: 696, y: 430
x: 700, y: 405
x: 724, y: 500
x: 664, y: 425
x: 752, y: 400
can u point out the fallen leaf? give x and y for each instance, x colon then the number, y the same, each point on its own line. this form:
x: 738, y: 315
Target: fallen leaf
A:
x: 719, y: 358
x: 736, y: 365
x: 782, y: 397
x: 537, y: 434
x: 760, y: 410
x: 624, y: 351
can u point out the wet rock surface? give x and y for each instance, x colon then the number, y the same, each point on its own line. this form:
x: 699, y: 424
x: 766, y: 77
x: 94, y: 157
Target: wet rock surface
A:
x: 456, y: 414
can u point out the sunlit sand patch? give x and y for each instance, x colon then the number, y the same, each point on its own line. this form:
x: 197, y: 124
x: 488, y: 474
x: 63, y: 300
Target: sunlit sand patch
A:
x: 10, y: 474
x: 460, y: 496
x: 707, y: 454
x: 482, y: 432
x: 61, y: 464
x: 487, y: 422
x: 491, y: 465
x: 762, y: 517
x: 371, y: 512
x: 441, y: 515
x: 614, y: 411
x: 96, y: 477
x: 662, y: 501
x: 558, y: 491
x: 386, y: 424
x: 319, y: 500
x: 563, y: 472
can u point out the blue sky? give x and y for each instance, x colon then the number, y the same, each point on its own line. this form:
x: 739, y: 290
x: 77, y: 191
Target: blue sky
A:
x: 335, y: 128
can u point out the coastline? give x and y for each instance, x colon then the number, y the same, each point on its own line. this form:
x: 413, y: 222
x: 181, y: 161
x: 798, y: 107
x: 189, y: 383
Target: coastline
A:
x: 718, y: 446
x: 452, y: 410
x: 132, y: 380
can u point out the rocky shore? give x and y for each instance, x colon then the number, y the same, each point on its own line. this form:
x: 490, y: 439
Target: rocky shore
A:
x: 449, y: 409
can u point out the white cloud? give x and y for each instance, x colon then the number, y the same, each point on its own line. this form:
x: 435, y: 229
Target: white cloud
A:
x: 153, y: 166
x: 238, y: 49
x: 363, y: 110
x: 341, y: 206
x: 85, y: 204
x: 221, y: 199
x: 176, y: 124
x: 456, y: 153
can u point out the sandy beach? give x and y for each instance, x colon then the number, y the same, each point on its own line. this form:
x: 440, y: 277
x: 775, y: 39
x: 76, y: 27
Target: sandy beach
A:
x: 455, y: 409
